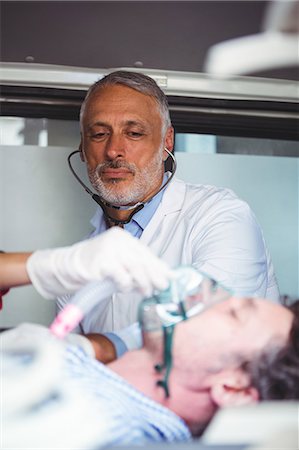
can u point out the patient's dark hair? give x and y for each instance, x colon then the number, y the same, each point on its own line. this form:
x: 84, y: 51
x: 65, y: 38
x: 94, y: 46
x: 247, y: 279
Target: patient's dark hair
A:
x: 275, y: 373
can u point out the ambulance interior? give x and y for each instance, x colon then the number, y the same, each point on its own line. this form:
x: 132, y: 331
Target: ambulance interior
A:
x: 230, y: 72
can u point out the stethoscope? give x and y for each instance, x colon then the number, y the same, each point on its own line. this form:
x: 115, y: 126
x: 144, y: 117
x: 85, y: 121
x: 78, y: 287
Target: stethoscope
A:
x: 105, y: 205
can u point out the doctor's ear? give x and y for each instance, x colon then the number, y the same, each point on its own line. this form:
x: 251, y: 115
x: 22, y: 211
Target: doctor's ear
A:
x: 233, y: 388
x: 81, y: 152
x: 169, y: 139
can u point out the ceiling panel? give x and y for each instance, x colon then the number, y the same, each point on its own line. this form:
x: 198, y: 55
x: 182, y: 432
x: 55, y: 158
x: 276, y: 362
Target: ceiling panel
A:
x: 173, y: 35
x: 170, y: 35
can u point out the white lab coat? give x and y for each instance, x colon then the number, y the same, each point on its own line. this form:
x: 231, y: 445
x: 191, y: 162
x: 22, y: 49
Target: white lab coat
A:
x: 199, y: 225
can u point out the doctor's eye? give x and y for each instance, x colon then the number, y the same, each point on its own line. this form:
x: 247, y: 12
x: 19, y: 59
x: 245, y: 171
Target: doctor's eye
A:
x: 99, y: 136
x: 135, y: 134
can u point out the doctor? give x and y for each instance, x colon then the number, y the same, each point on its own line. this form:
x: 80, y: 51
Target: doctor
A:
x: 126, y: 136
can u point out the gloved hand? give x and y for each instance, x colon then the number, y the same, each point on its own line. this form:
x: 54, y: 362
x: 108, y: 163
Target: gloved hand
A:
x: 114, y: 254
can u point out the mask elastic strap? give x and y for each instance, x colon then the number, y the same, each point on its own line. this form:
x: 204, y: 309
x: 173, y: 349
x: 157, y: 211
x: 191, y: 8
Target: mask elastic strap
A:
x: 167, y: 363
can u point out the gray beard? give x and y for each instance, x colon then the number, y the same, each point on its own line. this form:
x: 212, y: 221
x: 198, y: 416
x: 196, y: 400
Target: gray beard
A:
x: 137, y: 191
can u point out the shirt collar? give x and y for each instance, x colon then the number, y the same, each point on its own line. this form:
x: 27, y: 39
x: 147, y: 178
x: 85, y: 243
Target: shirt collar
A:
x: 141, y: 218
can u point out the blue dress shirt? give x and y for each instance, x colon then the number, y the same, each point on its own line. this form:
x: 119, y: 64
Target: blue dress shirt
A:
x: 135, y: 227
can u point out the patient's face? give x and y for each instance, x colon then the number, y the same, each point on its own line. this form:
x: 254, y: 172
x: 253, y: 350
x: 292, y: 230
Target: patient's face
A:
x: 232, y: 330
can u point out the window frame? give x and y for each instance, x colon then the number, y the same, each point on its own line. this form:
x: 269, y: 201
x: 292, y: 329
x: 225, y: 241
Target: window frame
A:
x: 241, y: 106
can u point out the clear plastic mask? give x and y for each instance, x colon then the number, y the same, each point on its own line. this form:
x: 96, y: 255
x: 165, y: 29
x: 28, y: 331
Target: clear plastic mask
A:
x: 190, y: 293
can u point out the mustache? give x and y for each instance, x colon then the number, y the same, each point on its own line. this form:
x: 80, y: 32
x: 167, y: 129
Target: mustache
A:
x: 117, y: 164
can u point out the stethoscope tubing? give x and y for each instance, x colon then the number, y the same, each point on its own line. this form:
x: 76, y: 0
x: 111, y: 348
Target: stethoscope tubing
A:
x: 103, y: 204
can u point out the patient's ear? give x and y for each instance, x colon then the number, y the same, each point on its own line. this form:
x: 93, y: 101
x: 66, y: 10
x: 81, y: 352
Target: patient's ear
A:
x: 233, y: 388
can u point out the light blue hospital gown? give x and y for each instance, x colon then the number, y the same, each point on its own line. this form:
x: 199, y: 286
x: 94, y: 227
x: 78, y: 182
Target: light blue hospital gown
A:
x: 130, y: 416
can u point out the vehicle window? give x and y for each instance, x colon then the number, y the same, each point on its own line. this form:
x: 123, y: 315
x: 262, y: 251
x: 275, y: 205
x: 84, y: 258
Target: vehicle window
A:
x: 51, y: 132
x: 207, y: 144
x: 39, y: 132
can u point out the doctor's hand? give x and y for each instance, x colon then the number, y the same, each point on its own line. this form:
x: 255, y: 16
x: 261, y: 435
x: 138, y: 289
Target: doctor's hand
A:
x: 114, y: 254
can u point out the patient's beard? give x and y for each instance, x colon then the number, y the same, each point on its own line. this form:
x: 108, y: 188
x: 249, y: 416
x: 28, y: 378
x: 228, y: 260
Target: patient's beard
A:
x: 137, y: 190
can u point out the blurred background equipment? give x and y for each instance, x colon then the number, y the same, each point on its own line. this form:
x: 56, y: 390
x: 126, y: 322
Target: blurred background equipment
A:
x: 277, y: 46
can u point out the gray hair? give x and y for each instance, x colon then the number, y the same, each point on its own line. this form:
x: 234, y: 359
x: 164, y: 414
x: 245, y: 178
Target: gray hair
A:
x: 137, y: 81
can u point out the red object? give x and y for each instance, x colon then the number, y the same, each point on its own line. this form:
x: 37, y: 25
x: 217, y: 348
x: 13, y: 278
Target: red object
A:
x: 2, y: 292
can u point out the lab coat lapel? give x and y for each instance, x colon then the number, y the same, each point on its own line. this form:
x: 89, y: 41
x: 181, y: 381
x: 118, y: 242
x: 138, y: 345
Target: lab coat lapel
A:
x: 172, y: 203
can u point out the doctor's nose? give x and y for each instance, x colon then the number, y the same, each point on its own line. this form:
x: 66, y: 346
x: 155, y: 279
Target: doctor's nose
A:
x: 115, y: 148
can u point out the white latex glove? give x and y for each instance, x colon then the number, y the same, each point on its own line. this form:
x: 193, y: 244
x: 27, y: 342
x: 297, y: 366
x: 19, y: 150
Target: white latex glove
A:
x: 114, y: 254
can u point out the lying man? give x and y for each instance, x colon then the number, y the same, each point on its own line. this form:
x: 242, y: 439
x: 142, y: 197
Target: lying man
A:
x: 194, y: 360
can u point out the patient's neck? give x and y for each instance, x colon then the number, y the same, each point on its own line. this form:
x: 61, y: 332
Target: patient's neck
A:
x: 137, y: 368
x: 193, y: 405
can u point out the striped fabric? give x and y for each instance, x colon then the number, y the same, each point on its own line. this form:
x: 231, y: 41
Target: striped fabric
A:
x: 130, y: 416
